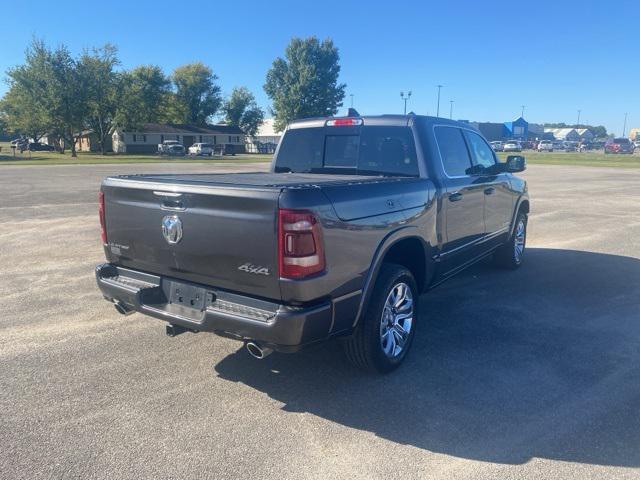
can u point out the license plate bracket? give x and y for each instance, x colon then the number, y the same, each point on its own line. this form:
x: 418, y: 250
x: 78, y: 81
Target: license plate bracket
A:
x: 186, y: 295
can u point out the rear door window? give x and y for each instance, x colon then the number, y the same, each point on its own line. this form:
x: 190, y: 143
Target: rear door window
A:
x: 481, y: 153
x: 453, y: 151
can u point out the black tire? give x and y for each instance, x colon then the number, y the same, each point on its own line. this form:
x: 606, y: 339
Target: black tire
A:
x: 364, y: 348
x: 509, y: 255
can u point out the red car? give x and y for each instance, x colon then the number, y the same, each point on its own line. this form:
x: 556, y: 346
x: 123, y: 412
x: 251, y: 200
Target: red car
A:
x: 619, y: 145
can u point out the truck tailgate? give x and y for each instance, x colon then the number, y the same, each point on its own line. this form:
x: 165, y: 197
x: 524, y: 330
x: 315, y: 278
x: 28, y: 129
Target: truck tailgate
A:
x: 228, y: 232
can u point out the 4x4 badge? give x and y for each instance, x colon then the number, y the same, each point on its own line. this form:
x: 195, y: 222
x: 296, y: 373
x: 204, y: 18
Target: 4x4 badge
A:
x: 251, y: 268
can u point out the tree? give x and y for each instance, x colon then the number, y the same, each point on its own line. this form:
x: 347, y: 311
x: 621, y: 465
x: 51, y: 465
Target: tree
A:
x: 102, y: 81
x: 144, y: 93
x: 241, y: 110
x: 196, y: 93
x: 305, y: 82
x: 52, y: 78
x: 23, y: 114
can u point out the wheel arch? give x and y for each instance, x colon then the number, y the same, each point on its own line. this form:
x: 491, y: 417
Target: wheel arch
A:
x: 522, y: 206
x: 403, y: 247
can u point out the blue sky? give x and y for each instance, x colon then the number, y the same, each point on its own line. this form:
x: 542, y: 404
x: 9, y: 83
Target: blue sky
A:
x: 555, y: 57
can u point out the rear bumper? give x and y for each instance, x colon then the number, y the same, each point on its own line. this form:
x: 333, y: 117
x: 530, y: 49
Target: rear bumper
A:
x: 281, y: 327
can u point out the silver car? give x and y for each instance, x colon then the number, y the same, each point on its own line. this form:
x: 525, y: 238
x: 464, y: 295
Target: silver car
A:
x: 512, y: 146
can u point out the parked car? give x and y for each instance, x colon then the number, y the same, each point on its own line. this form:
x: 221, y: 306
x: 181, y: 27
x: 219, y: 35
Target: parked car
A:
x: 497, y: 146
x: 569, y: 146
x: 201, y: 149
x: 545, y: 146
x: 557, y: 144
x: 40, y: 147
x: 20, y: 143
x: 171, y: 147
x: 619, y: 145
x: 636, y: 144
x: 512, y: 146
x: 353, y: 222
x: 585, y: 146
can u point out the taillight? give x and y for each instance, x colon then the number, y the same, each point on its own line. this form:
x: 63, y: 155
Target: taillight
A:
x: 101, y: 212
x: 300, y: 244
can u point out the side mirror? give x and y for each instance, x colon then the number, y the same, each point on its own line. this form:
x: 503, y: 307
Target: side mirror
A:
x: 516, y: 163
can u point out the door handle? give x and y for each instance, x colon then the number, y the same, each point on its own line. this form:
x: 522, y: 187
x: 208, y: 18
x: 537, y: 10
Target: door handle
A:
x: 172, y: 204
x: 455, y: 196
x: 489, y: 191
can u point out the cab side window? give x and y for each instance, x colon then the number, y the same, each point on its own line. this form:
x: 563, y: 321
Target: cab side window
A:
x: 453, y: 151
x: 481, y: 152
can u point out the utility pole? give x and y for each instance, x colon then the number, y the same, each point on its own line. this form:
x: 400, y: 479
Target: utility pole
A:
x: 578, y: 124
x: 406, y: 99
x: 351, y: 95
x: 450, y: 109
x: 438, y: 108
x: 624, y: 128
x: 522, y: 112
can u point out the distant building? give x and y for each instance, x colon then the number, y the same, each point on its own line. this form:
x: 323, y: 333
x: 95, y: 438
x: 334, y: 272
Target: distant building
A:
x: 519, y: 129
x: 266, y: 138
x: 569, y: 134
x: 88, y: 141
x: 585, y: 134
x: 267, y: 132
x: 634, y: 134
x: 146, y: 138
x: 491, y: 131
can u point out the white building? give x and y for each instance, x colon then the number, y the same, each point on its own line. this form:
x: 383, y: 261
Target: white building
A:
x: 146, y: 138
x: 564, y: 133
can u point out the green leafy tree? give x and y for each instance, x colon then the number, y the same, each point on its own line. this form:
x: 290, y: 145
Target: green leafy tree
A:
x: 197, y: 95
x: 143, y: 97
x: 52, y: 78
x: 305, y: 82
x: 23, y: 114
x: 241, y: 110
x: 102, y: 88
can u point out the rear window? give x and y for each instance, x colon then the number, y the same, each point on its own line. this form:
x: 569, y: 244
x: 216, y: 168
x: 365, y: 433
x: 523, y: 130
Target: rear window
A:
x: 367, y: 150
x: 621, y: 141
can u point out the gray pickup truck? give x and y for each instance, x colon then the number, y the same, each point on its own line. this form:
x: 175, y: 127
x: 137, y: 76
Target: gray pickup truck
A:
x: 358, y: 216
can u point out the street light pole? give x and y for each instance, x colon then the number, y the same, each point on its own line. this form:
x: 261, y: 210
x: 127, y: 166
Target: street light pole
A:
x: 450, y: 109
x: 522, y: 113
x: 578, y: 124
x: 624, y: 128
x: 438, y: 108
x: 405, y: 98
x: 351, y: 95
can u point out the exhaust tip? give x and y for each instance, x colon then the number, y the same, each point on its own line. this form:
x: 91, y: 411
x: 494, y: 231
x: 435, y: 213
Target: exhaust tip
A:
x: 122, y: 308
x: 257, y: 351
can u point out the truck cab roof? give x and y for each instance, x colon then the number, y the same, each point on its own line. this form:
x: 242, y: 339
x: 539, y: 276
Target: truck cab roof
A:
x: 378, y: 120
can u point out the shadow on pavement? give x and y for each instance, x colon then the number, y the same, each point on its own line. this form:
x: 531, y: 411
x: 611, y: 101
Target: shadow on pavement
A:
x: 506, y: 366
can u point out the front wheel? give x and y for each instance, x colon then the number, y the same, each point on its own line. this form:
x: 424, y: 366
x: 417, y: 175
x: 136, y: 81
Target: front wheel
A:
x: 385, y: 332
x: 511, y: 254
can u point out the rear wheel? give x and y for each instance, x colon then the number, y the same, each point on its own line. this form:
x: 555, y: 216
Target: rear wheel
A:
x: 385, y: 333
x: 511, y: 254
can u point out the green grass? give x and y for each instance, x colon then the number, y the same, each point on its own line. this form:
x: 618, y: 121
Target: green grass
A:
x: 86, y: 158
x: 588, y: 159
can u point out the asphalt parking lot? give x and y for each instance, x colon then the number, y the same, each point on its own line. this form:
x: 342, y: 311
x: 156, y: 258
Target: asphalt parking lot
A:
x: 527, y: 374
